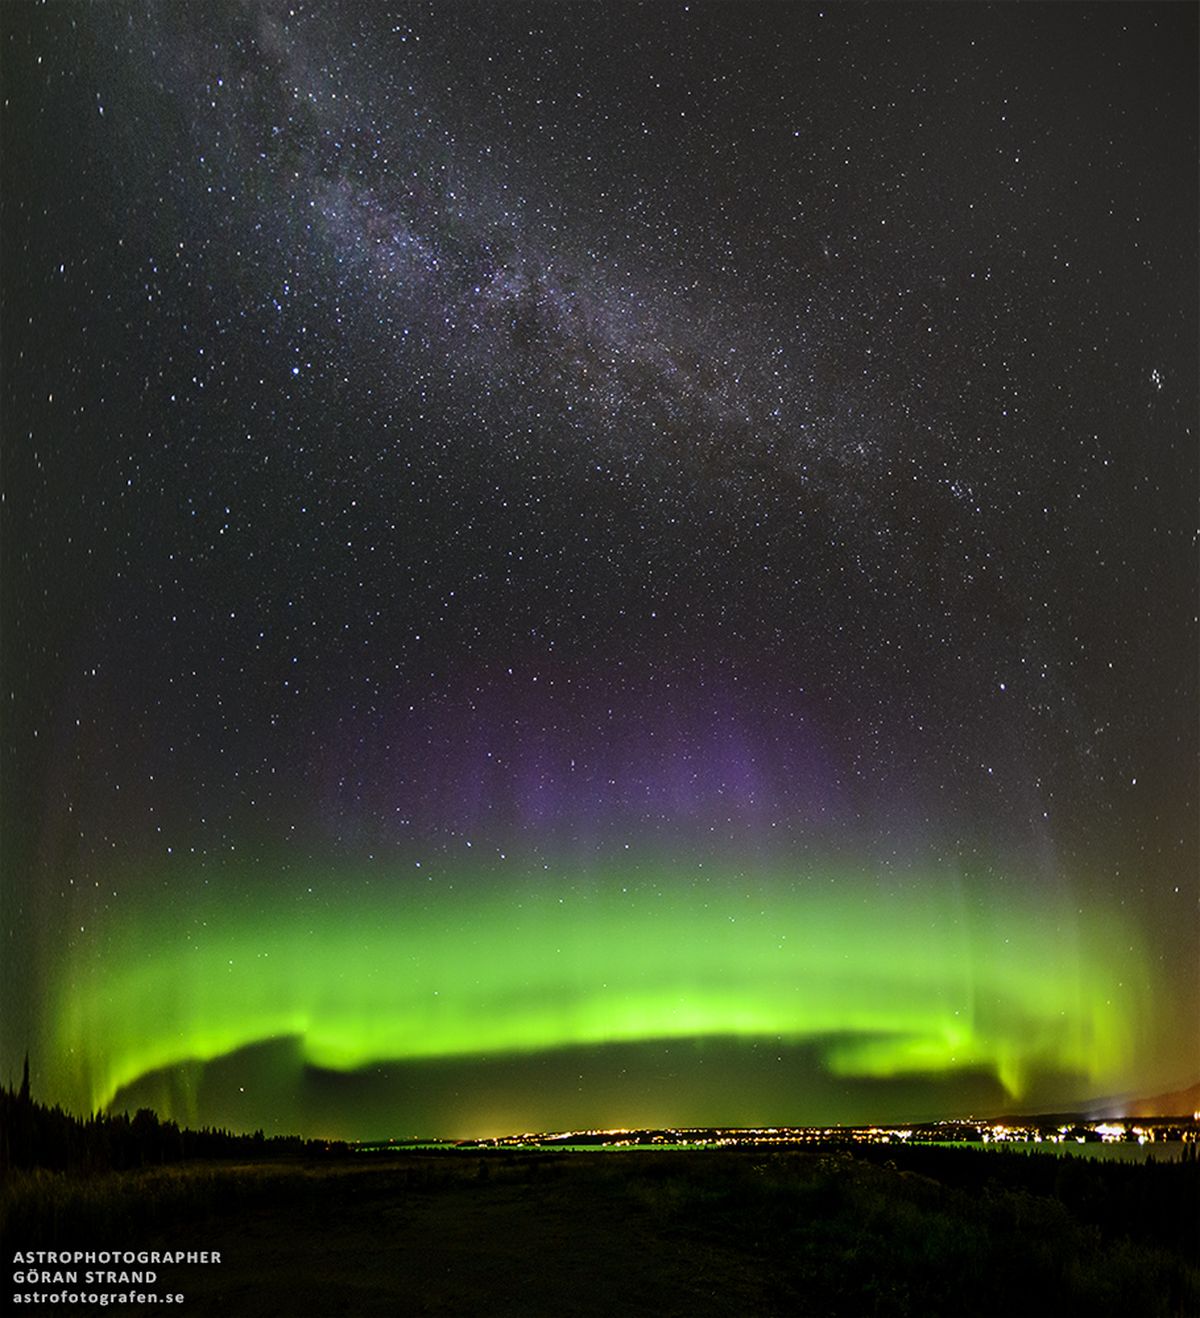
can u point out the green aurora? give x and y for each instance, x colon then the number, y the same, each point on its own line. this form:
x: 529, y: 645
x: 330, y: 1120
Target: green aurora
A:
x: 920, y: 979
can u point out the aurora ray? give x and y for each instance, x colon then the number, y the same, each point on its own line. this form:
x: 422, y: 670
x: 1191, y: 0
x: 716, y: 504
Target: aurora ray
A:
x: 886, y: 982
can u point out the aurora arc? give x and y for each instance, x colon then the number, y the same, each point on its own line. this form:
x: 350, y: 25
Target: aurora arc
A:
x: 886, y: 981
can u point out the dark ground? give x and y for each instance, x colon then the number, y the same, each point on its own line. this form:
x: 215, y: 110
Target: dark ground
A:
x: 662, y: 1233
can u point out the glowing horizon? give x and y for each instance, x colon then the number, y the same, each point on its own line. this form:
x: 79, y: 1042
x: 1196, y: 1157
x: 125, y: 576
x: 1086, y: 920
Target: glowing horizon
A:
x: 885, y: 981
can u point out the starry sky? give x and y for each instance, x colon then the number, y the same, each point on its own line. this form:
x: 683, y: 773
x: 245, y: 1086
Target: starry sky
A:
x: 597, y: 564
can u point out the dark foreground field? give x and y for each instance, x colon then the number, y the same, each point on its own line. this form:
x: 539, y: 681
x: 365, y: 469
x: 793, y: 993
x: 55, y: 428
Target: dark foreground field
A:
x: 950, y: 1232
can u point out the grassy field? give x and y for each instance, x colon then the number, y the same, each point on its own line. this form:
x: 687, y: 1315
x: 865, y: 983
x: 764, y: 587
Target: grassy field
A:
x: 677, y: 1233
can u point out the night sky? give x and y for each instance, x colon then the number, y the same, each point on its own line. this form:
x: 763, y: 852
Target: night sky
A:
x: 598, y: 564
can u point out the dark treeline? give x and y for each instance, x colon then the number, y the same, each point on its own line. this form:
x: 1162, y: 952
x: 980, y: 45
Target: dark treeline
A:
x: 33, y: 1135
x: 1148, y: 1201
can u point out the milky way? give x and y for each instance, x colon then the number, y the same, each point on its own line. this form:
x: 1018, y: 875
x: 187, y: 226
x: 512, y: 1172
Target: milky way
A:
x: 647, y: 542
